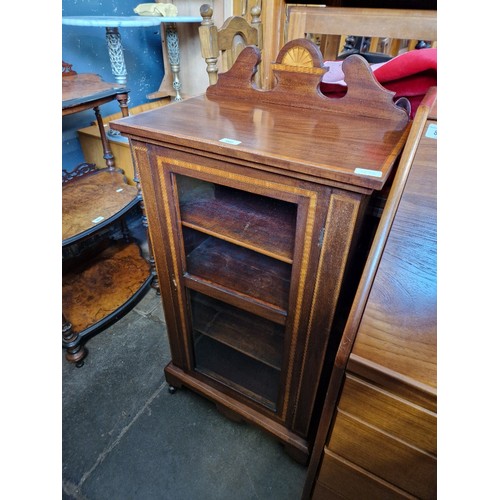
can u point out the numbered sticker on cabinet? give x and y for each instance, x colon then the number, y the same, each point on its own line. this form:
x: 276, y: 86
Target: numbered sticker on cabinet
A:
x: 367, y: 171
x: 226, y: 140
x: 432, y: 131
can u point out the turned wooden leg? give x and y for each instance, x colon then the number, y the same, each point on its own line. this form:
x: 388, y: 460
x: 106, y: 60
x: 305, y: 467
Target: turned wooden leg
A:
x: 123, y: 102
x: 106, y: 148
x: 75, y: 352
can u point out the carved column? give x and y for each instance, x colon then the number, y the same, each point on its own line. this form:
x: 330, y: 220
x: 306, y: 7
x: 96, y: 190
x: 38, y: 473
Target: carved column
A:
x: 174, y: 58
x: 115, y: 49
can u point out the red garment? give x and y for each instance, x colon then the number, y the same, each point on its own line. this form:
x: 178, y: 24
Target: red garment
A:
x: 410, y: 75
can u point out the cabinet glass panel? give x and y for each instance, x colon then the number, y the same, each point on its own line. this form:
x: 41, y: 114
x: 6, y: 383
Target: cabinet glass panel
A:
x: 238, y: 263
x: 237, y: 348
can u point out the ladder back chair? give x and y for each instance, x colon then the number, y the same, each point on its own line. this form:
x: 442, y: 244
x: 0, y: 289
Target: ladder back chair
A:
x: 391, y: 31
x: 221, y: 46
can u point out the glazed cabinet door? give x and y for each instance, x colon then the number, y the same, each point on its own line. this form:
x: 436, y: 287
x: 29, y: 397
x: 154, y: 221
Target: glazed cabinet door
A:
x: 234, y: 249
x: 237, y: 282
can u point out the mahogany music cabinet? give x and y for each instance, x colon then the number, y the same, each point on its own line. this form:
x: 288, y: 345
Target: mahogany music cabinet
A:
x: 256, y: 201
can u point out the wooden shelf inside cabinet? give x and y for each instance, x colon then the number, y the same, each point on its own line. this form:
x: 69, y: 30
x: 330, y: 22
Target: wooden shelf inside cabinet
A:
x: 243, y: 374
x: 255, y: 337
x: 260, y: 198
x: 259, y: 223
x: 248, y: 279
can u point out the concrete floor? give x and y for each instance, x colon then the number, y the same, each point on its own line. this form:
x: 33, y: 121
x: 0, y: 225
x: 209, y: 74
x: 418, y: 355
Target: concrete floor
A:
x: 124, y: 436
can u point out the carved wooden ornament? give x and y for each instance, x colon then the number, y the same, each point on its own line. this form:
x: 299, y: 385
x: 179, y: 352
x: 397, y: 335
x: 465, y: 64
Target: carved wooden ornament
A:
x: 298, y: 71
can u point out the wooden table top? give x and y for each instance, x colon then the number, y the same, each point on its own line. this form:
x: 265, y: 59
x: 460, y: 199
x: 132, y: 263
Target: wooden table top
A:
x: 398, y: 330
x: 94, y: 201
x: 86, y: 90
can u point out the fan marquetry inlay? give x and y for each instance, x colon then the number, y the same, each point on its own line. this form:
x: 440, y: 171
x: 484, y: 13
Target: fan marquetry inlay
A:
x: 298, y: 56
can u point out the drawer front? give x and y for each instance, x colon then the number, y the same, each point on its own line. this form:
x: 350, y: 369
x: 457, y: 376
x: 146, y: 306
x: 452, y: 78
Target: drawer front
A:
x: 384, y: 456
x: 395, y: 416
x: 339, y: 478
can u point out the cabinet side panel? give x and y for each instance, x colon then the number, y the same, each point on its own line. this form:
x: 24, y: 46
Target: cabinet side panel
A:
x: 342, y: 218
x: 156, y: 208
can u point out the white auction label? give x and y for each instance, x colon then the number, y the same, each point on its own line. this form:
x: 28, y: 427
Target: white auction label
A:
x: 366, y: 171
x: 432, y: 131
x: 234, y: 142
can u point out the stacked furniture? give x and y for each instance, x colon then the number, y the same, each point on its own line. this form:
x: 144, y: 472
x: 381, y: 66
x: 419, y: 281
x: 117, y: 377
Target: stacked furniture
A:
x: 377, y: 436
x: 259, y: 209
x: 104, y: 270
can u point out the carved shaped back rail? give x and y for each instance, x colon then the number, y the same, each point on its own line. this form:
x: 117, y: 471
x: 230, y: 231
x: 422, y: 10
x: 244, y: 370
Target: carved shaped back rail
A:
x: 298, y: 71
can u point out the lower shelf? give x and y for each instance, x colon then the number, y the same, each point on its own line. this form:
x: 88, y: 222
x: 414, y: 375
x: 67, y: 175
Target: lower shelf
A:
x: 255, y: 380
x: 247, y: 333
x: 95, y: 293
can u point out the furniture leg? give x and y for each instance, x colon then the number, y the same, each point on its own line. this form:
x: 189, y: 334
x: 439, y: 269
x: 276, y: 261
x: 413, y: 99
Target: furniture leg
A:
x: 75, y: 352
x: 273, y: 14
x: 108, y: 155
x: 123, y: 102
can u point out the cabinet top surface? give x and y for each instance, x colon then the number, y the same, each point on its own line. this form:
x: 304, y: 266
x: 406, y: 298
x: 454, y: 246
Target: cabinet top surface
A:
x: 292, y: 127
x: 357, y: 151
x: 398, y: 329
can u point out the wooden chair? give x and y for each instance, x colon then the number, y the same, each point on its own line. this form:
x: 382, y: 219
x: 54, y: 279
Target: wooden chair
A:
x: 221, y: 46
x: 399, y: 29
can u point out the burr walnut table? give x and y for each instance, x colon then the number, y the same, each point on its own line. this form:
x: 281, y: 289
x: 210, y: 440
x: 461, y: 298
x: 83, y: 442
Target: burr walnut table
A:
x: 104, y: 275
